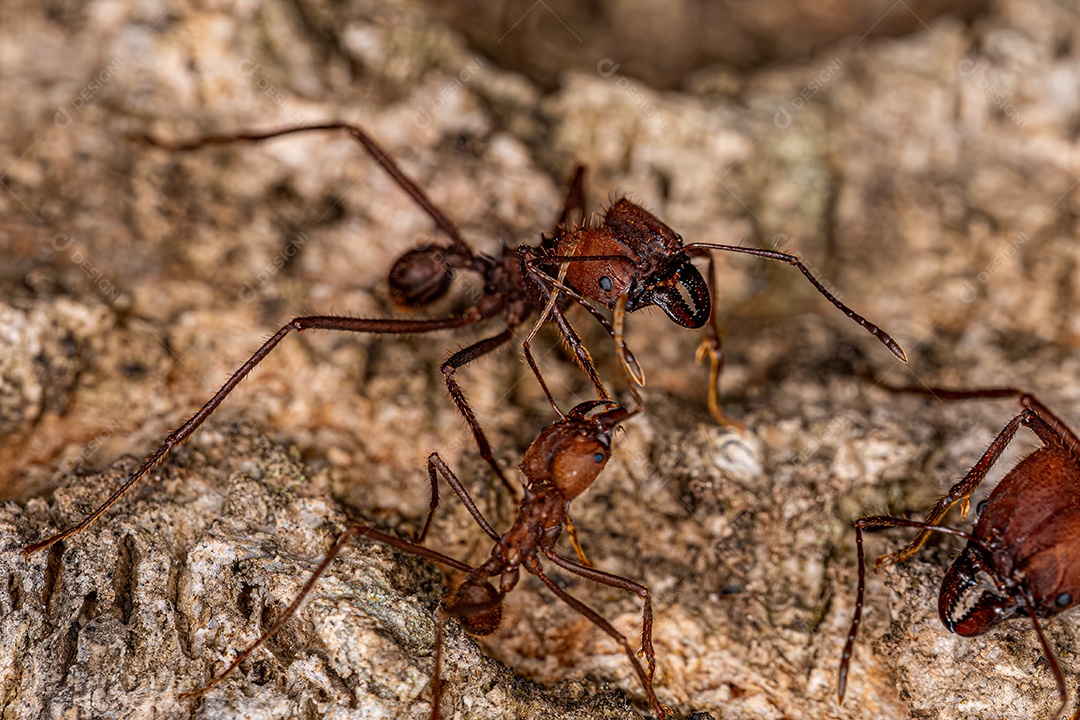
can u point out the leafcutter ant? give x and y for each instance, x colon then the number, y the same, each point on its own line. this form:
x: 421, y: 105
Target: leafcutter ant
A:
x: 1017, y: 560
x: 630, y: 253
x: 558, y: 466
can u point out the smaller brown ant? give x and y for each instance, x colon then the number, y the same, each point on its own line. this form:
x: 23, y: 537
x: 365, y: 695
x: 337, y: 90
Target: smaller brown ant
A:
x: 1016, y: 562
x: 559, y: 465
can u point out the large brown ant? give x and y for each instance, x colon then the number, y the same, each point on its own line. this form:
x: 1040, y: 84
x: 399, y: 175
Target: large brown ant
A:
x: 559, y: 465
x: 631, y: 253
x: 1016, y: 562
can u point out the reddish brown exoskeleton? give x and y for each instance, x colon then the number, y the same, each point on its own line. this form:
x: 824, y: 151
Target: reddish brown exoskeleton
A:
x: 648, y: 263
x: 561, y: 463
x: 1022, y: 557
x: 630, y: 254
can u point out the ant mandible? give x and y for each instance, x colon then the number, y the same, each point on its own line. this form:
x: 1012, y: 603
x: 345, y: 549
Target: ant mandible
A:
x: 630, y: 253
x: 1015, y: 562
x: 563, y: 461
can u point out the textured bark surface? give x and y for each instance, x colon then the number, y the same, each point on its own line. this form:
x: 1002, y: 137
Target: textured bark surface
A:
x: 931, y: 180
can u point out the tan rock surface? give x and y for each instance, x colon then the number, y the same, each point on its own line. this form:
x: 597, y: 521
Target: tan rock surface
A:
x: 930, y: 179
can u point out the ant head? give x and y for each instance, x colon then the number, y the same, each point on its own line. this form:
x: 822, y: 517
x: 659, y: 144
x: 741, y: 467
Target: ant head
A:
x: 420, y: 277
x: 570, y: 453
x: 983, y: 587
x: 974, y: 598
x: 579, y: 459
x: 638, y: 254
x: 607, y: 267
x: 664, y: 276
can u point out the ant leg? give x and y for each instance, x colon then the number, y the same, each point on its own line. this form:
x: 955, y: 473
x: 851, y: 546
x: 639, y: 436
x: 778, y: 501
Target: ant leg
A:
x: 1048, y: 652
x: 1042, y: 422
x: 875, y: 521
x: 581, y: 354
x: 575, y: 198
x: 436, y: 467
x: 962, y: 490
x: 526, y: 348
x: 945, y: 393
x: 338, y: 546
x: 381, y: 157
x: 436, y: 673
x: 346, y: 537
x: 1052, y: 427
x: 625, y: 355
x: 635, y: 377
x: 409, y: 547
x: 571, y: 532
x: 712, y: 347
x: 366, y: 531
x: 534, y: 567
x: 553, y: 288
x: 449, y: 367
x: 1036, y: 416
x: 573, y: 340
x: 599, y: 576
x: 699, y: 249
x: 299, y: 324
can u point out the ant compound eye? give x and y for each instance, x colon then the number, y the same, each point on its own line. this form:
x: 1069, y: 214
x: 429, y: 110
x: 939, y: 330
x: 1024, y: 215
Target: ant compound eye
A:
x: 1063, y: 600
x: 598, y: 457
x: 980, y: 506
x: 605, y: 284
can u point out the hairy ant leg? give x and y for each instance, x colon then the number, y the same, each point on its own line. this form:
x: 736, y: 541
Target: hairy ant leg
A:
x: 1035, y: 416
x: 437, y: 467
x: 598, y: 576
x: 381, y: 156
x: 865, y: 523
x: 575, y: 200
x: 552, y: 290
x: 573, y: 340
x: 712, y: 347
x: 645, y: 676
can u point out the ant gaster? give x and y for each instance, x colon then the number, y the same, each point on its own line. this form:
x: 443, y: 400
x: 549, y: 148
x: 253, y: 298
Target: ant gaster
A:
x: 559, y: 465
x: 1016, y: 560
x: 630, y: 253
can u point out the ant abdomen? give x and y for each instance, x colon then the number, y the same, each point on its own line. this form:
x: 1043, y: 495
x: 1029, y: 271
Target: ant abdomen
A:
x: 420, y: 277
x: 478, y: 607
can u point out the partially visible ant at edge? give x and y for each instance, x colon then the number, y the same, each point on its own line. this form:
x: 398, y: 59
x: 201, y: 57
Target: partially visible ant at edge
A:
x: 1015, y: 562
x: 631, y: 252
x: 563, y: 461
